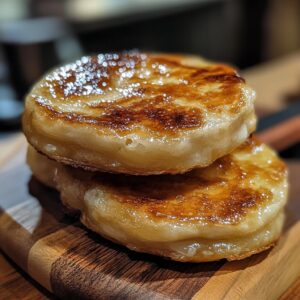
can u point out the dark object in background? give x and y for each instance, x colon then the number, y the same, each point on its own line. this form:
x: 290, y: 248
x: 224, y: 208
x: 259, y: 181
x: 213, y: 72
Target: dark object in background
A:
x: 205, y: 28
x: 230, y: 31
x: 291, y: 152
x: 217, y: 29
x: 31, y: 47
x: 251, y: 33
x: 10, y: 109
x: 200, y: 28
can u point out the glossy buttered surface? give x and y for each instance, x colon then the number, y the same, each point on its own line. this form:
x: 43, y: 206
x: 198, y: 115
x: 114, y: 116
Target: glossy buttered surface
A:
x: 139, y: 113
x: 134, y: 91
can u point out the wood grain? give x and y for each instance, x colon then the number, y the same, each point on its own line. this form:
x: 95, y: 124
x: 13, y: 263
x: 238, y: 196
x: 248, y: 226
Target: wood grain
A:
x: 69, y: 260
x: 241, y: 280
x: 293, y: 292
x: 15, y: 284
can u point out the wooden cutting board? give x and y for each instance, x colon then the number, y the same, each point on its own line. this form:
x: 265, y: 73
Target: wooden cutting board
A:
x: 74, y: 263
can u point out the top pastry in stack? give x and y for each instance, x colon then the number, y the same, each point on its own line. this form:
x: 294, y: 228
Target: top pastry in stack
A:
x: 154, y: 152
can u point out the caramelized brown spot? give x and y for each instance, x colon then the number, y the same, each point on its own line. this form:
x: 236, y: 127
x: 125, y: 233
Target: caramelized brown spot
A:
x: 121, y: 91
x: 155, y: 115
x: 227, y: 78
x: 220, y: 193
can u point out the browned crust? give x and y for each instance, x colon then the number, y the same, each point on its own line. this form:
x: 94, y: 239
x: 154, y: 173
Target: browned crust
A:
x: 168, y: 254
x: 226, y: 197
x: 141, y: 103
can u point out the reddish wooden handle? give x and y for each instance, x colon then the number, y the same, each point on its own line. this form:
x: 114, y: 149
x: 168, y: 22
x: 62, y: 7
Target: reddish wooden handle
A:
x: 283, y: 135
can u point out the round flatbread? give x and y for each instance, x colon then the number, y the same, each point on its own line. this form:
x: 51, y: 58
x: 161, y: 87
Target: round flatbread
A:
x: 139, y: 113
x: 231, y: 209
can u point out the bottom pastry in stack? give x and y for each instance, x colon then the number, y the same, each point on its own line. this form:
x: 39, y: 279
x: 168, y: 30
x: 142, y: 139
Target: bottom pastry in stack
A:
x: 231, y: 209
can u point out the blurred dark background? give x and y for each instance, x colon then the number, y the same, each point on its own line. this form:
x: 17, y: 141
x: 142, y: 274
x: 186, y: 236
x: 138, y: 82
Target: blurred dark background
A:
x: 36, y: 35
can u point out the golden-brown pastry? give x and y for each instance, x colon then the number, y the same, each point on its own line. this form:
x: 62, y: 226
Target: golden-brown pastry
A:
x: 139, y: 113
x: 231, y: 209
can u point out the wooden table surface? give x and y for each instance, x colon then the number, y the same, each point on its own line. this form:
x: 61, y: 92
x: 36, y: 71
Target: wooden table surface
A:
x: 276, y: 83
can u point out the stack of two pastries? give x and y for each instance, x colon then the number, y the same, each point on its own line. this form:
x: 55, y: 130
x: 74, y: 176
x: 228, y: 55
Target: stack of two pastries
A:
x: 154, y: 152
